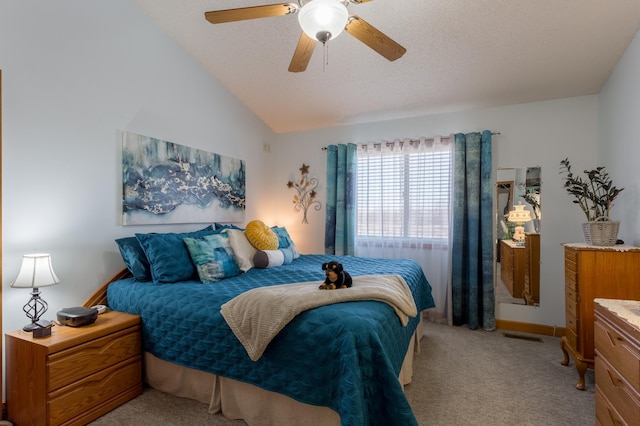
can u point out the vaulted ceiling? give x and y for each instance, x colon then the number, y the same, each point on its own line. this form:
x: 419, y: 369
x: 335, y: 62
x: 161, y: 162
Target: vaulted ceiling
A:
x: 461, y: 54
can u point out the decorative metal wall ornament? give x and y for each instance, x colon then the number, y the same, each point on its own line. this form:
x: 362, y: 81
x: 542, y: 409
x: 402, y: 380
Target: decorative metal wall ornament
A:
x: 306, y: 193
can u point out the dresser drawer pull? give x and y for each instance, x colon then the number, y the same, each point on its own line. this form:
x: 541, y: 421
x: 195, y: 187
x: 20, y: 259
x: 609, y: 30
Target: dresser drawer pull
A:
x: 615, y: 380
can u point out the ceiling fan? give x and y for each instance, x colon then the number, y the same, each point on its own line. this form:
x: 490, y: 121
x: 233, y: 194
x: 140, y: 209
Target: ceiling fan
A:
x: 320, y: 20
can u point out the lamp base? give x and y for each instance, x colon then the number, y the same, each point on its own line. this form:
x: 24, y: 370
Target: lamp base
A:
x: 40, y: 328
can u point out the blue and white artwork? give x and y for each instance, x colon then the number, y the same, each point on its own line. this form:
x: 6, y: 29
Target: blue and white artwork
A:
x: 163, y: 182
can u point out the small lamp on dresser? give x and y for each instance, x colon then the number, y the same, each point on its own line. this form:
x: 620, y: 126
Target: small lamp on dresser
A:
x: 36, y: 271
x: 519, y: 216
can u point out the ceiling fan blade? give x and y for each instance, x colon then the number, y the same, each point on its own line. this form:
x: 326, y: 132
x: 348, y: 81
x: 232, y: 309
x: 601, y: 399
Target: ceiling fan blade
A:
x: 254, y: 12
x: 373, y: 38
x: 302, y: 55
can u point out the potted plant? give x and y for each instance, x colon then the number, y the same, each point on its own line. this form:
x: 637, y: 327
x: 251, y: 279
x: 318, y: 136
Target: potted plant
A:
x: 595, y: 195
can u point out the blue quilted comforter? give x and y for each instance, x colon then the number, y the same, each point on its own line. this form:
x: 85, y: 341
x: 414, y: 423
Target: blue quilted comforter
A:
x: 345, y: 356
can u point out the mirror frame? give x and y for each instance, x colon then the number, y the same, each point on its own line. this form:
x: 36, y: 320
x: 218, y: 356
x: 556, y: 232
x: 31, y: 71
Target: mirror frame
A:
x: 505, y: 185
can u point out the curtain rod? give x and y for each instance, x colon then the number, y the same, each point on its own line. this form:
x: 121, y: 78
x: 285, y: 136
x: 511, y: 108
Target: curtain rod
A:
x: 412, y: 141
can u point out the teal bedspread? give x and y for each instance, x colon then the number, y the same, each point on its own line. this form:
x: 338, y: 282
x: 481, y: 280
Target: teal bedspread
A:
x: 345, y: 356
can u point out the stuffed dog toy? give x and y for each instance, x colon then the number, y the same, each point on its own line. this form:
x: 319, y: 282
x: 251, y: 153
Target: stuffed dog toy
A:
x: 336, y: 276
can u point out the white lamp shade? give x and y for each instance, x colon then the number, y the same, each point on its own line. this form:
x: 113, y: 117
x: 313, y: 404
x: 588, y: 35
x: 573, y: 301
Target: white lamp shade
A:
x: 36, y: 271
x: 519, y: 214
x: 323, y: 20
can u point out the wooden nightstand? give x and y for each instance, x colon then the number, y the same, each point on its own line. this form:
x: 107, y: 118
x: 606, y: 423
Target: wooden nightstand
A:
x: 75, y: 375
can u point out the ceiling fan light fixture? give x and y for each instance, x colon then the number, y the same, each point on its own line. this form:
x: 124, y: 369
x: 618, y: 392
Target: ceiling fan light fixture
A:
x: 323, y: 20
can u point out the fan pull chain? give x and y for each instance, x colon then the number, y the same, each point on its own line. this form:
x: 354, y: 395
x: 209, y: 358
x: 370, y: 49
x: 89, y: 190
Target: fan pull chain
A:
x: 325, y: 56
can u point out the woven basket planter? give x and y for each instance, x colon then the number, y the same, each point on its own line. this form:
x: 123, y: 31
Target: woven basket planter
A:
x: 601, y: 232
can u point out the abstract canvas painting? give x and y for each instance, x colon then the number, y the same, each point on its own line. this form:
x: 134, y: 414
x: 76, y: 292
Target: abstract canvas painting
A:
x: 164, y: 182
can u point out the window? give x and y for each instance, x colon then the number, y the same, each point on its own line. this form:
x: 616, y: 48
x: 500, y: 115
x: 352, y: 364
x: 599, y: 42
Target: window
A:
x: 404, y: 193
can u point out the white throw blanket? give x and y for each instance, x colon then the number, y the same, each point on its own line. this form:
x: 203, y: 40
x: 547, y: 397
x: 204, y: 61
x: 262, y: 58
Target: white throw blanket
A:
x: 258, y: 315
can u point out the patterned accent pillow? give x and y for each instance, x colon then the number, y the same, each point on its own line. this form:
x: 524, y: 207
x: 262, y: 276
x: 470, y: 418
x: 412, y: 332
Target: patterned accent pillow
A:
x: 285, y: 241
x: 213, y: 257
x: 261, y: 236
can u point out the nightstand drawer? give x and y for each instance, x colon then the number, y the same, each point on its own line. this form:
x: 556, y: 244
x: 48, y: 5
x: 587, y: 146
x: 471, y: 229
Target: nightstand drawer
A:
x: 618, y: 391
x: 73, y: 400
x: 622, y: 354
x: 80, y: 361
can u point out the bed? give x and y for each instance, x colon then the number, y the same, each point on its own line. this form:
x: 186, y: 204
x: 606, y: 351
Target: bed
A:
x: 342, y: 363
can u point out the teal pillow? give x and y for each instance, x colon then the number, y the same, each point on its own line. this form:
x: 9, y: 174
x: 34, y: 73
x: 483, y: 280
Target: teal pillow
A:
x: 213, y: 257
x: 134, y: 258
x: 285, y: 241
x: 168, y: 256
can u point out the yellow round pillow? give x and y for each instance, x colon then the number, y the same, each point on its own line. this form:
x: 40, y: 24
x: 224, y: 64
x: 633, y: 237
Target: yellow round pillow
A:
x: 261, y: 236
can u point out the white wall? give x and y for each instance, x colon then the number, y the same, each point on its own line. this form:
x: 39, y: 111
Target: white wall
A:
x: 619, y: 139
x: 74, y: 73
x: 534, y: 134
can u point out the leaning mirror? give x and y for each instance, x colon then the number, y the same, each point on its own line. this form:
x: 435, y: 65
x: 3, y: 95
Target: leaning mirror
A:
x: 518, y: 221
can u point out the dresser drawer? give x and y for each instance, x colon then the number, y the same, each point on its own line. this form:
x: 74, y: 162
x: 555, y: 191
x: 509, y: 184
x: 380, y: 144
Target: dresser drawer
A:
x: 606, y: 415
x: 618, y: 391
x: 622, y: 354
x: 570, y: 279
x: 83, y: 360
x: 571, y: 322
x: 570, y: 255
x: 571, y: 297
x: 73, y: 400
x: 571, y: 336
x: 571, y: 306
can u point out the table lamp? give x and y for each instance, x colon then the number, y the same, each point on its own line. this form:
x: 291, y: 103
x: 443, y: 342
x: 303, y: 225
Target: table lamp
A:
x: 36, y: 271
x: 519, y: 216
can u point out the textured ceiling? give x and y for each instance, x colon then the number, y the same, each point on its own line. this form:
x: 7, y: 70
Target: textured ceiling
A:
x: 461, y: 54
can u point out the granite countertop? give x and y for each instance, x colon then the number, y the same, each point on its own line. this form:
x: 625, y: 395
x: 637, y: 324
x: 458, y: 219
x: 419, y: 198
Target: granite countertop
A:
x: 626, y: 309
x: 617, y: 247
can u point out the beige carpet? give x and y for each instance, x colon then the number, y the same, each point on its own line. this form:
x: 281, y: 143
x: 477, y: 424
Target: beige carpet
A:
x: 462, y: 377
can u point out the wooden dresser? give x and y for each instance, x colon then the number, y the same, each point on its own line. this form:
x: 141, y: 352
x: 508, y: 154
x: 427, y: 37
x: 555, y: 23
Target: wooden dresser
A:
x: 617, y: 361
x: 531, y: 291
x: 594, y: 272
x: 512, y: 267
x: 75, y: 375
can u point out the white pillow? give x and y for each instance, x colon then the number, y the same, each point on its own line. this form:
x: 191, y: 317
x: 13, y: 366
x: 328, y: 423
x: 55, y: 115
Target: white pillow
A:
x: 243, y: 251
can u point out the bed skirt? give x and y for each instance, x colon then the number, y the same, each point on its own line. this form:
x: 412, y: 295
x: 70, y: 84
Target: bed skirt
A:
x: 239, y: 400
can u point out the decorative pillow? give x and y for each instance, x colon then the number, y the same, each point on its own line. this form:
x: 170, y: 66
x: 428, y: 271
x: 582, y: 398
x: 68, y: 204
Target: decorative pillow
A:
x: 134, y: 258
x: 243, y: 251
x: 261, y: 236
x: 213, y: 257
x: 285, y: 241
x: 168, y: 256
x: 263, y: 259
